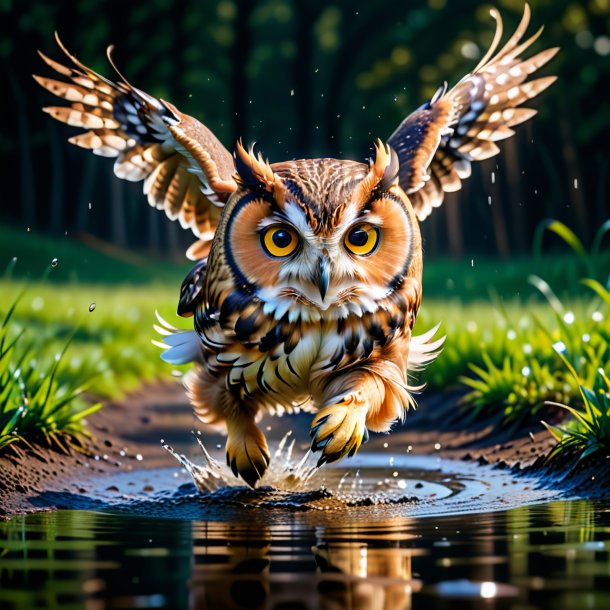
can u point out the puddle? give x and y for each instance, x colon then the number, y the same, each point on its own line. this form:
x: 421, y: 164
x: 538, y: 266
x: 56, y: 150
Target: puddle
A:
x: 388, y: 533
x: 370, y: 486
x: 554, y: 556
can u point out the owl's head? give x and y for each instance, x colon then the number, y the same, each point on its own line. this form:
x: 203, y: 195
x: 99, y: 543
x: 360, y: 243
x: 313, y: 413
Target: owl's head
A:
x: 320, y: 237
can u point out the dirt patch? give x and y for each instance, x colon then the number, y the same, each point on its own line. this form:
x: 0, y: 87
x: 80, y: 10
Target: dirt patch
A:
x: 128, y: 435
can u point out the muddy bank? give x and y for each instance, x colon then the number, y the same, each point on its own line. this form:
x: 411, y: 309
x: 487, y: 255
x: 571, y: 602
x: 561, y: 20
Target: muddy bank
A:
x: 128, y: 435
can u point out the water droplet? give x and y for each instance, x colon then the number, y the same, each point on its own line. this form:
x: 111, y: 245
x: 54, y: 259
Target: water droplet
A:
x: 89, y: 205
x: 37, y: 303
x: 575, y: 183
x: 525, y: 371
x: 385, y: 445
x: 292, y: 93
x: 511, y: 334
x: 54, y: 262
x: 493, y: 177
x: 437, y: 446
x: 92, y: 307
x: 488, y: 590
x: 139, y: 457
x: 569, y: 318
x: 559, y: 346
x: 597, y: 316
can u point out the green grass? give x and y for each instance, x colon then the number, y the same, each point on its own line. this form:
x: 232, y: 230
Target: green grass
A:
x: 111, y: 344
x: 534, y: 356
x: 57, y: 356
x: 588, y: 432
x: 34, y: 405
x: 69, y: 343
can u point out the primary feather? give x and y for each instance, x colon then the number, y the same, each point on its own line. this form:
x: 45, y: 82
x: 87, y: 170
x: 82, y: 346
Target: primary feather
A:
x: 437, y: 143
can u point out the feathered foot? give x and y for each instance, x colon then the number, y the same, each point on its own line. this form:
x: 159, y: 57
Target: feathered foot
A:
x: 247, y: 451
x: 339, y: 429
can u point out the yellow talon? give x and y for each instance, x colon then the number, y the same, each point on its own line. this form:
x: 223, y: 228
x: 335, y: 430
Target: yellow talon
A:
x: 339, y: 430
x: 247, y: 452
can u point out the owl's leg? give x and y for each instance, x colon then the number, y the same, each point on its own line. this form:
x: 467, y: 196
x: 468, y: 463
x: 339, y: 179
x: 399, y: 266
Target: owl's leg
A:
x: 339, y: 427
x: 247, y: 451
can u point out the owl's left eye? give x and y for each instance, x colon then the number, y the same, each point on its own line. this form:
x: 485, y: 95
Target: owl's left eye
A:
x: 362, y: 239
x: 279, y: 240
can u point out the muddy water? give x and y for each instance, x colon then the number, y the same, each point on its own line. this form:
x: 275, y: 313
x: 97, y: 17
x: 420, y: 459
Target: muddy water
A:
x: 417, y: 533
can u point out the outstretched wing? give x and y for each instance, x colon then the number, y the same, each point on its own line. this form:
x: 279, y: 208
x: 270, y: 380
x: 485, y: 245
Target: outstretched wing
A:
x: 186, y: 170
x: 437, y: 143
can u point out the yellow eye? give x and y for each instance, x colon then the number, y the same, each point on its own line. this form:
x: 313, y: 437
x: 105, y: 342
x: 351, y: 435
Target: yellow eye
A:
x: 279, y: 240
x: 362, y: 239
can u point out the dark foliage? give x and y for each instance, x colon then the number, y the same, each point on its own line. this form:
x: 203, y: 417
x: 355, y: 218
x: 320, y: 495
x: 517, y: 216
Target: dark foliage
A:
x: 307, y: 79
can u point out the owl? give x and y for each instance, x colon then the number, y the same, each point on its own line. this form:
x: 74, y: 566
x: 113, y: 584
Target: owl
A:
x: 308, y: 275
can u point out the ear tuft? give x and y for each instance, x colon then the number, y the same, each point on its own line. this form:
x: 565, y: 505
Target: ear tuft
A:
x: 385, y: 166
x: 252, y: 170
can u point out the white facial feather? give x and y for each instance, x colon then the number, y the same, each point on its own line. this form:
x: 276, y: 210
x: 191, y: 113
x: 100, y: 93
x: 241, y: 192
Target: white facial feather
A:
x: 296, y: 273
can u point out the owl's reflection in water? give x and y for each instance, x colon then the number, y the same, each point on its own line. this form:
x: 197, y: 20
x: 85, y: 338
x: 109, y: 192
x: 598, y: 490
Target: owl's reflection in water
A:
x: 237, y: 568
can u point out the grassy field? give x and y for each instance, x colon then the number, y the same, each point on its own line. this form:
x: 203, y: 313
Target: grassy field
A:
x: 508, y: 336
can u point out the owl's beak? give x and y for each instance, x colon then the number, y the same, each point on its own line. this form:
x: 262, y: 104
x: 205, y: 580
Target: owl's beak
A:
x: 322, y: 277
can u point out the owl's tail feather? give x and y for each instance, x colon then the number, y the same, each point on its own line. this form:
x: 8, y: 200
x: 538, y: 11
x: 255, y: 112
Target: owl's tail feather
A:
x: 181, y: 346
x: 423, y: 350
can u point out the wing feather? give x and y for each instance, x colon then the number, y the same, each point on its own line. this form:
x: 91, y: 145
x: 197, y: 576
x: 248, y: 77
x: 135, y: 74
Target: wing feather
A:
x: 437, y: 143
x: 186, y: 171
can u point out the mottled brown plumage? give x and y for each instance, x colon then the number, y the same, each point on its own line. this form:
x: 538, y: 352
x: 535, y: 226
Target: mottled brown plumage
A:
x: 309, y: 294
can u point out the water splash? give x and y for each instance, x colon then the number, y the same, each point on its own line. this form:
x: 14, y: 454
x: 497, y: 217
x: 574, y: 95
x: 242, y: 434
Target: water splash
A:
x: 284, y: 474
x: 296, y: 481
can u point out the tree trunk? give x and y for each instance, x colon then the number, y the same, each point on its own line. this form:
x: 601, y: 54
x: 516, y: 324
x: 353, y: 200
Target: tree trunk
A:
x: 515, y: 190
x: 302, y: 78
x: 574, y: 183
x: 239, y: 82
x: 57, y: 218
x: 117, y: 204
x: 454, y: 227
x: 26, y: 165
x: 85, y: 193
x: 497, y: 215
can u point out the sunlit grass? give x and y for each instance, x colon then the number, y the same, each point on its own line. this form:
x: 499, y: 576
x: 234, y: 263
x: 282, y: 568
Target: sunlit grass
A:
x: 589, y: 429
x: 64, y: 349
x: 111, y: 330
x: 532, y: 356
x: 35, y: 405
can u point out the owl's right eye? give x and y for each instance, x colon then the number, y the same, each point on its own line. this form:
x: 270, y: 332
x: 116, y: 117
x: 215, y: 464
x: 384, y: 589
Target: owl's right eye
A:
x: 279, y: 240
